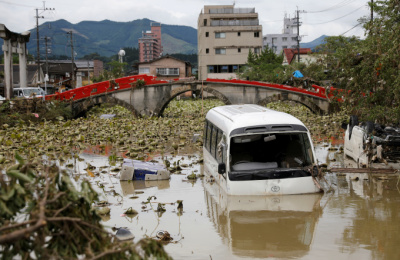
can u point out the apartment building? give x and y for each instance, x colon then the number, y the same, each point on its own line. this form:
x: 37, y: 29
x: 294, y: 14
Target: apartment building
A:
x: 285, y: 40
x: 225, y: 36
x: 150, y: 46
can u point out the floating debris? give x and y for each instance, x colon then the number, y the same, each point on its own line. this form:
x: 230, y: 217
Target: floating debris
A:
x: 164, y: 236
x: 124, y: 234
x: 131, y: 211
x: 103, y: 211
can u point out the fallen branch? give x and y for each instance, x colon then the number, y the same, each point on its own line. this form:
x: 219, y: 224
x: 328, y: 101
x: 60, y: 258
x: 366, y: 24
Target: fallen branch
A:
x: 363, y: 170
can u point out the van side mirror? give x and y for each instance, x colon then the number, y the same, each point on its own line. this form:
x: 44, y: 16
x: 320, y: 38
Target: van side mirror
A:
x: 221, y: 168
x: 344, y: 126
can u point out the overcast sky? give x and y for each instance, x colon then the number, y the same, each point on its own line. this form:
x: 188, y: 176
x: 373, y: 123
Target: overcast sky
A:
x: 333, y: 17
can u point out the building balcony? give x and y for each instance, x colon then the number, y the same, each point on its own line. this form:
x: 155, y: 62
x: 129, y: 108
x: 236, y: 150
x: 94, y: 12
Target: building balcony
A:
x: 253, y: 22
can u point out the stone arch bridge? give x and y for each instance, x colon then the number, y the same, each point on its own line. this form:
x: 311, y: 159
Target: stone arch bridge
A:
x: 146, y: 96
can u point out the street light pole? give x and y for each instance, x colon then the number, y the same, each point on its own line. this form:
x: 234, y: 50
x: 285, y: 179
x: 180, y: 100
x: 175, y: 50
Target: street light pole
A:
x: 37, y: 35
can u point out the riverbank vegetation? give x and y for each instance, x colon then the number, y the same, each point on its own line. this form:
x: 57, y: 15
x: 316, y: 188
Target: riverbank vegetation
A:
x: 365, y: 70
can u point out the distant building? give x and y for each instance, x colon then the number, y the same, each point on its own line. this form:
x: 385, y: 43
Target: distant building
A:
x: 225, y: 36
x: 166, y: 67
x: 290, y: 55
x: 286, y: 40
x: 150, y: 46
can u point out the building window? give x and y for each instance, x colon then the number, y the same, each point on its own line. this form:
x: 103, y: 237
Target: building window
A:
x: 294, y: 38
x: 257, y: 50
x: 207, y: 50
x: 205, y: 22
x: 284, y: 39
x: 206, y: 34
x: 144, y: 70
x: 210, y: 69
x: 220, y: 51
x: 239, y: 50
x: 294, y: 46
x: 256, y: 34
x: 219, y: 35
x: 239, y: 34
x: 284, y: 47
x: 224, y: 69
x: 167, y: 71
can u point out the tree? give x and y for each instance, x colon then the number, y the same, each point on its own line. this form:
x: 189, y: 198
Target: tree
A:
x: 115, y: 70
x: 262, y: 67
x: 368, y: 70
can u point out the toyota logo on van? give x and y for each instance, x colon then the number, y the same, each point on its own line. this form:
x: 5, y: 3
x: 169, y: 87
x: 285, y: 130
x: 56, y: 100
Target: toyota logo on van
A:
x: 275, y: 188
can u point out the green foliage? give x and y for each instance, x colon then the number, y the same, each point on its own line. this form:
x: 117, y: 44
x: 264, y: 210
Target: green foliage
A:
x: 116, y: 70
x: 368, y: 70
x: 34, y: 110
x: 263, y: 67
x: 192, y: 58
x: 43, y: 215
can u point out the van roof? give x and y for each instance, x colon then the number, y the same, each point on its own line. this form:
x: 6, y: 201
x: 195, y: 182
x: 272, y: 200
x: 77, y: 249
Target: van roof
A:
x: 232, y: 117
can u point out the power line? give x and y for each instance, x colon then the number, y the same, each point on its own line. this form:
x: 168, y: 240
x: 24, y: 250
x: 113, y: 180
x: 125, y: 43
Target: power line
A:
x: 338, y: 17
x: 9, y: 3
x: 350, y: 29
x: 334, y: 7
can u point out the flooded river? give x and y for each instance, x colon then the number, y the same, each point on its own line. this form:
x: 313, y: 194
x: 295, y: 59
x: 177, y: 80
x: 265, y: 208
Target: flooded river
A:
x: 357, y: 216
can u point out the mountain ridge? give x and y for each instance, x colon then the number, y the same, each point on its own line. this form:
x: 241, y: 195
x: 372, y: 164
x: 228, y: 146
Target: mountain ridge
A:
x: 107, y: 37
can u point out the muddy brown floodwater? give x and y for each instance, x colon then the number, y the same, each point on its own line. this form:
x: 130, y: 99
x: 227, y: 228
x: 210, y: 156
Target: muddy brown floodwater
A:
x: 356, y: 218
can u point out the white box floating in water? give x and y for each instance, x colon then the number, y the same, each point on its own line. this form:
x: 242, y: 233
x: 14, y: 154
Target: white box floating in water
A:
x: 147, y: 171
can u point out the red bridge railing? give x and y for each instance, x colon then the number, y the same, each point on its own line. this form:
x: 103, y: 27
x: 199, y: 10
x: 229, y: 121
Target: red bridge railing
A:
x: 129, y: 82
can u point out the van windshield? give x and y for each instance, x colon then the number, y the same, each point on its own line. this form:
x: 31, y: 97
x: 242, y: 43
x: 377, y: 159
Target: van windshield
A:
x: 30, y: 92
x: 270, y: 156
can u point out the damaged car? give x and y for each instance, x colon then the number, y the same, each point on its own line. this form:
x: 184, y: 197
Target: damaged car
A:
x: 369, y: 142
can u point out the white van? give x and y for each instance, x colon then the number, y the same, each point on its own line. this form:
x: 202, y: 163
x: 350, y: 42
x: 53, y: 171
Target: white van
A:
x: 252, y: 150
x: 28, y: 92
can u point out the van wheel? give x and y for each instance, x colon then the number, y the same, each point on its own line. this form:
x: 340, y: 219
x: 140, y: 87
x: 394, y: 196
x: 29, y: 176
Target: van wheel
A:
x: 370, y: 127
x: 352, y: 123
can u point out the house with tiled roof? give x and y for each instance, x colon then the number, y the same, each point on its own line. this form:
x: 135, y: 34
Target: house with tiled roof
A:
x: 291, y: 55
x: 166, y: 67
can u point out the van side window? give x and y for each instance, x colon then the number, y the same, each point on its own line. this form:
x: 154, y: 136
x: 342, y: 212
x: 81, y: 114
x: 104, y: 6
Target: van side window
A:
x: 220, y: 153
x: 205, y: 132
x: 208, y: 140
x: 214, y: 141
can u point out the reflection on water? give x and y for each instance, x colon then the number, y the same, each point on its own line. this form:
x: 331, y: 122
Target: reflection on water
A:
x: 129, y: 187
x: 260, y: 226
x: 357, y: 217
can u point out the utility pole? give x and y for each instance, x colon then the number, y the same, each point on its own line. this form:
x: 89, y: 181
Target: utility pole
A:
x: 298, y: 35
x: 372, y: 10
x: 72, y: 59
x: 298, y: 32
x: 43, y: 9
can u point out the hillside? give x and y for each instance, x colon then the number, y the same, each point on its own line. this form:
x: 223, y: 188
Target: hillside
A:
x: 107, y: 37
x: 314, y: 43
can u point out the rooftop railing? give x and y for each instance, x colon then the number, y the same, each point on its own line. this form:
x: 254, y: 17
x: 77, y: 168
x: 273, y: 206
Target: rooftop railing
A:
x: 232, y: 11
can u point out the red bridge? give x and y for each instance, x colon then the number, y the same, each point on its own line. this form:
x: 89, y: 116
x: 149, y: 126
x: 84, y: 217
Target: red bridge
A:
x: 145, y: 95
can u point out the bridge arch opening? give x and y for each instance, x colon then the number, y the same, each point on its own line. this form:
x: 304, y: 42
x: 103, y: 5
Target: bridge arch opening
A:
x: 80, y: 108
x: 303, y: 102
x: 195, y: 94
